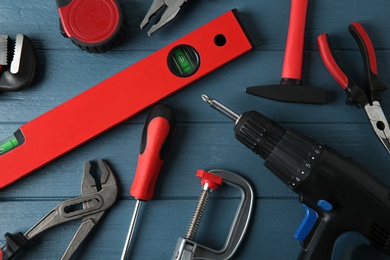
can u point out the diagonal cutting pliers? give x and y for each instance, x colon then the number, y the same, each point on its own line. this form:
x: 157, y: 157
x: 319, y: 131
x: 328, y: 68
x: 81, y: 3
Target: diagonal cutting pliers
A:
x: 370, y: 100
x: 170, y: 7
x: 97, y: 196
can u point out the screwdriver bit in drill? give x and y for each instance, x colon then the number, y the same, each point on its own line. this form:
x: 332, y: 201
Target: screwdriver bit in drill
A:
x: 156, y: 138
x: 254, y: 130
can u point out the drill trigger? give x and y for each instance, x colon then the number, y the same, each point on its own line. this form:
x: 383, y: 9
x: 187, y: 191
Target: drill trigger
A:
x: 307, y: 223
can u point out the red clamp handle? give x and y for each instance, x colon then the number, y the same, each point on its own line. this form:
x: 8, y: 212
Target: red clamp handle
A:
x: 213, y: 181
x: 155, y: 142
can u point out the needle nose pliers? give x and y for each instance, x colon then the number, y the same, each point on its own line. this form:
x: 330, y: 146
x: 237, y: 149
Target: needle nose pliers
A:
x: 370, y: 100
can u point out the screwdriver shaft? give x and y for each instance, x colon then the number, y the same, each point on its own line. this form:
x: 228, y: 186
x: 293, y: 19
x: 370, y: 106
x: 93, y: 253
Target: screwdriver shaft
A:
x: 221, y: 108
x: 133, y: 222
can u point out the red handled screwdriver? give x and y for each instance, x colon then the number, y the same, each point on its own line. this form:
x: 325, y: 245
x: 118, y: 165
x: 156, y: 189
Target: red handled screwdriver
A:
x: 156, y: 138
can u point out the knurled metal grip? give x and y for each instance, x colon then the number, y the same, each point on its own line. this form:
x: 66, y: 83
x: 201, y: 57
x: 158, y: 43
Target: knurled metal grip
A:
x: 258, y: 133
x: 293, y: 158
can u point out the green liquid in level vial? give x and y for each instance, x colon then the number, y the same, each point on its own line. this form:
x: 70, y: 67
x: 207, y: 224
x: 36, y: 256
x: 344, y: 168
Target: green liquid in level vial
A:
x: 184, y: 62
x: 8, y: 144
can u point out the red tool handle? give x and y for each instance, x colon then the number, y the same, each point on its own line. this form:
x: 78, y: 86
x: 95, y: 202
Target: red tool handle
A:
x: 354, y: 93
x: 156, y: 139
x: 293, y: 57
x: 369, y: 58
x: 330, y: 62
x: 365, y: 45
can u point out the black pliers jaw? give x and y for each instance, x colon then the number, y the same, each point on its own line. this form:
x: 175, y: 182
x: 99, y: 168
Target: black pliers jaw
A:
x: 96, y: 198
x: 370, y: 100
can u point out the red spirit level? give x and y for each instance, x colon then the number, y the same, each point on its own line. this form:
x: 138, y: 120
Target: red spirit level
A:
x: 122, y: 96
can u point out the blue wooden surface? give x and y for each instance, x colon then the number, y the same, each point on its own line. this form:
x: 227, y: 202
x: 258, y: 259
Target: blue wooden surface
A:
x: 204, y: 139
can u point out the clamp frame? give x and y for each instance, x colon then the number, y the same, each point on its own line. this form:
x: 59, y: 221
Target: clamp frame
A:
x: 189, y: 250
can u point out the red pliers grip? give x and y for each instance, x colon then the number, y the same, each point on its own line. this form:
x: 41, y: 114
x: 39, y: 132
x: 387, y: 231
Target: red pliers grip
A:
x: 354, y: 93
x: 369, y: 58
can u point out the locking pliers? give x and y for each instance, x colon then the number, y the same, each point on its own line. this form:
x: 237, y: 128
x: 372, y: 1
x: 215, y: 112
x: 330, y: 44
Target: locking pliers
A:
x: 97, y: 197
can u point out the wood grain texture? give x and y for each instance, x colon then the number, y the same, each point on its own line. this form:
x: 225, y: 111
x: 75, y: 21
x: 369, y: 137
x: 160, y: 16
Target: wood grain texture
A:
x: 204, y: 139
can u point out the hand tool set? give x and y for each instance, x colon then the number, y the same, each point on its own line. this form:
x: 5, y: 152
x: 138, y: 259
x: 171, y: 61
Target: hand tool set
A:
x: 186, y: 248
x: 20, y: 71
x: 155, y: 142
x: 96, y: 198
x: 338, y: 194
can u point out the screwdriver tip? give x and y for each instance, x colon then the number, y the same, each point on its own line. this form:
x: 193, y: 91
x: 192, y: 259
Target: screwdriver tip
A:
x: 219, y: 107
x: 206, y: 99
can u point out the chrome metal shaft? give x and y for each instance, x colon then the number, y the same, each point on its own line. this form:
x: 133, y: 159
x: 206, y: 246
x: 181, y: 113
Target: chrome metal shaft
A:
x: 130, y: 233
x: 221, y: 108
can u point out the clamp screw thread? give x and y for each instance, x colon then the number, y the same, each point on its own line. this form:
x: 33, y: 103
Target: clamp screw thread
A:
x: 198, y: 213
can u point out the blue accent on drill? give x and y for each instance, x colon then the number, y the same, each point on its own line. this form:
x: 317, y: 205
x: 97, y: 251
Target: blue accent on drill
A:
x: 323, y: 204
x: 307, y: 224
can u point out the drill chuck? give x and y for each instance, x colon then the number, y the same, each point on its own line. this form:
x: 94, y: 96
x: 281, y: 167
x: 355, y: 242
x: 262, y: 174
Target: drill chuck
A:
x: 289, y: 154
x: 258, y: 133
x: 293, y: 158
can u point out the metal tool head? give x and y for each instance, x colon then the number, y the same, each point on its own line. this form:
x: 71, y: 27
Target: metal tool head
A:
x: 379, y: 123
x: 97, y: 196
x: 189, y: 250
x: 22, y: 67
x: 93, y: 182
x: 169, y: 9
x: 3, y: 50
x: 290, y: 90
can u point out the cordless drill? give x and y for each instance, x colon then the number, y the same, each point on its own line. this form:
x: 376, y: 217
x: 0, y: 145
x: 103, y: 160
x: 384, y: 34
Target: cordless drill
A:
x: 339, y: 194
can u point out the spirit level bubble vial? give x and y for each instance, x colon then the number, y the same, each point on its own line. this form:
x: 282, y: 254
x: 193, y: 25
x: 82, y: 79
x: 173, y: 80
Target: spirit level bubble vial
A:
x: 123, y: 95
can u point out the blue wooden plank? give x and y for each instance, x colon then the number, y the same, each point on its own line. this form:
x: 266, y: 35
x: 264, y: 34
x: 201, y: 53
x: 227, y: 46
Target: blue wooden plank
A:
x: 204, y: 138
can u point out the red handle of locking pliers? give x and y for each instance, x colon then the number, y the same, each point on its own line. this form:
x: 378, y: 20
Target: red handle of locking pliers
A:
x: 155, y: 142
